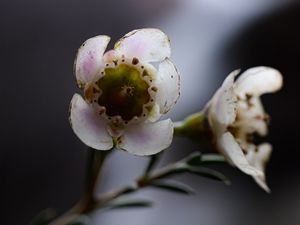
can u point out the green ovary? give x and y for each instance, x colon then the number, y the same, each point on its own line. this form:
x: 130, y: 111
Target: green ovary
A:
x: 123, y: 92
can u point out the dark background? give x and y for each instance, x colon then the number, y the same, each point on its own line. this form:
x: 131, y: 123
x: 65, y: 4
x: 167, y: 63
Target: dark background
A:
x: 42, y: 161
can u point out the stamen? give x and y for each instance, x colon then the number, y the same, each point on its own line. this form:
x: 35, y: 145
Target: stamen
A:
x: 124, y: 92
x: 135, y: 61
x: 127, y: 90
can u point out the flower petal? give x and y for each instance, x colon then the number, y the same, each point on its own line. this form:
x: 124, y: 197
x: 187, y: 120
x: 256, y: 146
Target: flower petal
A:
x: 168, y: 82
x: 258, y: 159
x: 223, y: 103
x: 88, y: 126
x: 154, y: 114
x: 257, y: 81
x: 261, y: 181
x: 111, y: 55
x: 148, y: 45
x: 89, y: 59
x: 232, y: 151
x: 252, y: 117
x: 147, y: 138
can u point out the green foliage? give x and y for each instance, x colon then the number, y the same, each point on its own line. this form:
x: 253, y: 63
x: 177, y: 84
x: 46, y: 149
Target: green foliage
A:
x: 173, y: 187
x: 208, y: 173
x: 198, y: 159
x: 80, y: 220
x: 44, y: 217
x: 194, y: 164
x: 119, y: 204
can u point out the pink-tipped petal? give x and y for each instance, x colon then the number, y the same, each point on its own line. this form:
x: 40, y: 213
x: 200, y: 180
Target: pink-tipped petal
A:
x: 148, y: 45
x: 111, y: 56
x: 258, y: 81
x: 147, y: 138
x: 168, y: 82
x: 232, y: 151
x: 89, y: 127
x: 88, y: 61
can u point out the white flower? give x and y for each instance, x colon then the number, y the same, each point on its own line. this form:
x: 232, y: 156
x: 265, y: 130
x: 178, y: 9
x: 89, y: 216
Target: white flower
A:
x: 235, y: 114
x: 124, y: 95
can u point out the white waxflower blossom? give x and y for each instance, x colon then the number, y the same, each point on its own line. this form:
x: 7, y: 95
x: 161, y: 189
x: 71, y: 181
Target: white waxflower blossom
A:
x: 236, y: 113
x: 125, y: 95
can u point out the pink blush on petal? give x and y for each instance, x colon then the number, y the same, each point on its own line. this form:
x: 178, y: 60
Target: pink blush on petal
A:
x: 137, y: 48
x: 89, y: 63
x: 110, y: 55
x: 144, y: 136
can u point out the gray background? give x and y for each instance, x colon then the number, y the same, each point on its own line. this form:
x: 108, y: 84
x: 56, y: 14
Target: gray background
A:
x: 42, y: 161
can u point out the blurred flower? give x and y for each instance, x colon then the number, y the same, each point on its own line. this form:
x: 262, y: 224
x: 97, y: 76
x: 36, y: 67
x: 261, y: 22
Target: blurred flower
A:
x: 235, y: 114
x: 124, y: 95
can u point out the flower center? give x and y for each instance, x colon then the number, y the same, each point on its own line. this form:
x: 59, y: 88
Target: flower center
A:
x: 250, y: 120
x: 123, y: 92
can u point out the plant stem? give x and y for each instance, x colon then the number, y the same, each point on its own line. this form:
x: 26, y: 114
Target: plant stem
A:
x: 86, y: 204
x: 152, y: 163
x: 140, y: 183
x: 195, y: 127
x: 95, y: 161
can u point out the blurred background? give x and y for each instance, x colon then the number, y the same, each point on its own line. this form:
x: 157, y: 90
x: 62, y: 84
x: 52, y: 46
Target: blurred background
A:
x: 42, y: 161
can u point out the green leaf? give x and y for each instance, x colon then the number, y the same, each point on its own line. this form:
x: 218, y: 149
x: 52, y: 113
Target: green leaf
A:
x: 180, y: 168
x: 193, y: 164
x: 198, y: 159
x: 173, y: 186
x: 127, y: 204
x: 169, y: 171
x: 208, y: 173
x: 44, y: 217
x: 212, y: 158
x: 193, y: 159
x: 152, y: 163
x: 80, y: 220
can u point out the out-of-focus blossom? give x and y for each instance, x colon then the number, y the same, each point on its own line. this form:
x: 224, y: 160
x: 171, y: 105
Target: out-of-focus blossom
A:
x: 235, y: 114
x: 124, y: 95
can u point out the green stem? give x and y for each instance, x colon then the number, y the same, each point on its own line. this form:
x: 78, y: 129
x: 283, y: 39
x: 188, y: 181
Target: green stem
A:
x: 152, y: 163
x: 192, y: 123
x: 188, y: 164
x: 95, y: 161
x: 142, y: 182
x: 195, y: 127
x: 86, y: 204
